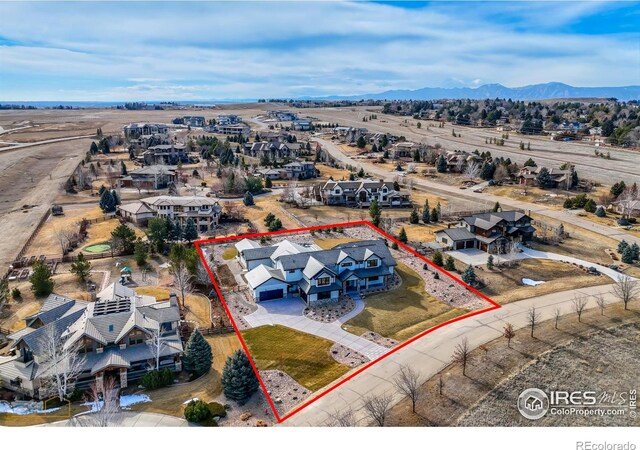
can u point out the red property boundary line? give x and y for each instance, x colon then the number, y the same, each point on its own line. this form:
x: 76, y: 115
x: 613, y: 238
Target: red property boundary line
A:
x: 198, y: 243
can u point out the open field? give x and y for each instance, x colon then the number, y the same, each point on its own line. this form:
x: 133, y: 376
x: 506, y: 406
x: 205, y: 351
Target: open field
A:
x: 402, y: 312
x: 505, y: 285
x: 498, y: 372
x: 304, y: 357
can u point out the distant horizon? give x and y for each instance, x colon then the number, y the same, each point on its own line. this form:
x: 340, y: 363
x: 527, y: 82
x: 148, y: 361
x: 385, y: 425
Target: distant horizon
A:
x: 363, y: 96
x: 237, y: 51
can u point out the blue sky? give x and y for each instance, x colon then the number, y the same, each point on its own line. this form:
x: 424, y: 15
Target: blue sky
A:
x: 121, y: 51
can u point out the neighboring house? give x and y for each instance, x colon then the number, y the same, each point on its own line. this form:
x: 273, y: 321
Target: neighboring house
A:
x: 165, y: 154
x: 282, y: 116
x: 232, y: 129
x: 111, y: 335
x: 361, y: 194
x: 191, y: 121
x: 571, y: 127
x: 316, y: 276
x: 458, y: 160
x: 528, y: 176
x: 150, y: 177
x: 204, y: 211
x: 135, y: 130
x: 301, y: 170
x: 228, y: 119
x: 403, y: 150
x: 492, y: 232
x: 629, y: 208
x: 302, y: 125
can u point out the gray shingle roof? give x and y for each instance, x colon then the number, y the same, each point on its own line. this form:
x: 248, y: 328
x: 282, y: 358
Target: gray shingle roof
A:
x: 458, y: 234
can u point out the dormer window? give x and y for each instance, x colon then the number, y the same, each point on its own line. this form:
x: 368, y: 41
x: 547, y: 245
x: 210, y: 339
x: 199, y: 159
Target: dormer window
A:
x: 372, y: 263
x: 324, y: 281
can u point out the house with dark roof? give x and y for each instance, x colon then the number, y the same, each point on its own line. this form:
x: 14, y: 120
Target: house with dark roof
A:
x: 361, y: 194
x: 493, y: 232
x: 316, y: 276
x: 150, y: 177
x: 108, y: 337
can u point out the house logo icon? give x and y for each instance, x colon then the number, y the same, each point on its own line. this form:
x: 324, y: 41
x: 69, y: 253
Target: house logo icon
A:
x: 533, y: 403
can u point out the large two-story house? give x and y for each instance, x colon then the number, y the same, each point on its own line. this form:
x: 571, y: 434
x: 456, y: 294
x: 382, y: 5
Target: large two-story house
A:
x: 204, y: 211
x: 492, y: 232
x: 110, y: 337
x: 361, y: 194
x: 136, y: 130
x: 288, y: 269
x: 150, y: 177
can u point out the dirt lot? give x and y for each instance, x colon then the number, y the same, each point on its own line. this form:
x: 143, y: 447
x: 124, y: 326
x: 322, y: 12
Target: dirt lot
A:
x: 504, y: 285
x: 598, y: 354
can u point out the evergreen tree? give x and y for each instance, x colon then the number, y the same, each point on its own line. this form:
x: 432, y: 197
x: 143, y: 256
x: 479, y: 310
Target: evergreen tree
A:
x: 530, y: 163
x: 402, y: 236
x: 197, y: 356
x: 590, y: 206
x: 434, y: 215
x: 269, y: 218
x: 40, y: 279
x: 635, y: 250
x: 248, y: 199
x: 622, y: 246
x: 469, y: 275
x: 157, y: 232
x: 490, y: 262
x: 441, y: 164
x: 600, y: 212
x: 115, y: 198
x: 628, y: 255
x: 375, y: 211
x: 618, y: 188
x: 487, y: 170
x: 544, y: 179
x: 361, y: 173
x: 574, y: 179
x: 268, y: 183
x: 81, y: 268
x: 190, y: 231
x: 123, y: 169
x: 123, y: 238
x: 361, y: 143
x: 140, y: 252
x: 275, y: 225
x: 414, y: 218
x: 107, y: 201
x: 426, y: 218
x: 450, y: 264
x: 93, y: 149
x: 176, y: 232
x: 437, y: 258
x: 496, y: 207
x: 239, y: 381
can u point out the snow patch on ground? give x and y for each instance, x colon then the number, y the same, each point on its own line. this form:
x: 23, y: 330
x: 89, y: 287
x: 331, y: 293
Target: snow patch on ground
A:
x: 530, y: 282
x: 23, y: 410
x: 133, y: 399
x: 194, y: 399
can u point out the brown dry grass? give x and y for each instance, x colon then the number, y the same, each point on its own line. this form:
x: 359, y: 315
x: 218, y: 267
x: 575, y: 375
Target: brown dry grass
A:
x: 494, y: 363
x: 264, y: 206
x: 328, y: 243
x: 505, y: 285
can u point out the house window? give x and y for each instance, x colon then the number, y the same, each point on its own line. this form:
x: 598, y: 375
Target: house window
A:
x: 324, y: 281
x: 372, y: 263
x: 136, y: 337
x: 347, y: 264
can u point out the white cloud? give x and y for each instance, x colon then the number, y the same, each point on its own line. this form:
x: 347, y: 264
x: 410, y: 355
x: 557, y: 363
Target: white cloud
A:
x: 138, y: 51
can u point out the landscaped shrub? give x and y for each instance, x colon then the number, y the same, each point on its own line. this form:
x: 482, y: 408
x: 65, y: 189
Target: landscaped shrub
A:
x: 217, y: 409
x: 157, y: 379
x: 197, y: 411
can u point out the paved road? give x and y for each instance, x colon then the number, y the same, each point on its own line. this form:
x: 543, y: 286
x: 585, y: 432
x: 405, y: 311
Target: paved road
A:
x: 126, y: 419
x: 48, y: 141
x: 483, y: 198
x: 289, y: 313
x: 432, y: 353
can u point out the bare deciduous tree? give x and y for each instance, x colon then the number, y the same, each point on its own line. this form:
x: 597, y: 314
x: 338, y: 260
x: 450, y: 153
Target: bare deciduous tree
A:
x: 63, y: 237
x: 182, y: 279
x: 579, y: 304
x: 377, y: 407
x: 626, y: 289
x: 601, y: 302
x: 408, y: 383
x: 473, y: 170
x: 556, y: 317
x: 462, y: 354
x: 106, y: 405
x: 344, y: 418
x: 61, y: 363
x: 533, y: 318
x: 508, y: 333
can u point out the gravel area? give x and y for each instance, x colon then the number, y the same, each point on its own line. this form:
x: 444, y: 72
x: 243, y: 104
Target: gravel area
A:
x: 283, y: 390
x: 255, y: 413
x: 380, y: 339
x: 345, y: 355
x: 330, y: 312
x: 240, y: 304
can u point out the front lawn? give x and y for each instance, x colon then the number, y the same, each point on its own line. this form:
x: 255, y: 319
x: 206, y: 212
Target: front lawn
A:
x: 403, y: 312
x: 304, y: 357
x: 229, y: 253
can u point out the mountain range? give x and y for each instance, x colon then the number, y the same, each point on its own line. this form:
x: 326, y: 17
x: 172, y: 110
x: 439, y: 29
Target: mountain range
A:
x: 553, y: 90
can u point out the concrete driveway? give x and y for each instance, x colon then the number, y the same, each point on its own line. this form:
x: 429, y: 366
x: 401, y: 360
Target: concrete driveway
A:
x: 288, y: 313
x: 126, y: 419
